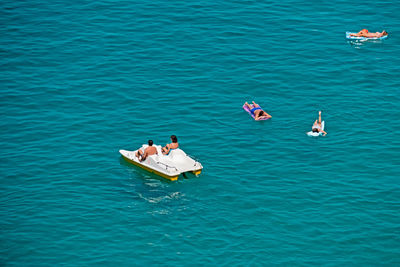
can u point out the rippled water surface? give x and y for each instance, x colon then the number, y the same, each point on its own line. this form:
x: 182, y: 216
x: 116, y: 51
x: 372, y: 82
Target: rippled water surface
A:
x: 82, y: 79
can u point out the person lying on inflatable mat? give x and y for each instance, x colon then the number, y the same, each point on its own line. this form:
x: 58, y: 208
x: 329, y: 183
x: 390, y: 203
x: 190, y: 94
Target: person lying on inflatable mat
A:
x: 366, y: 33
x: 256, y: 110
x: 150, y: 150
x: 317, y: 126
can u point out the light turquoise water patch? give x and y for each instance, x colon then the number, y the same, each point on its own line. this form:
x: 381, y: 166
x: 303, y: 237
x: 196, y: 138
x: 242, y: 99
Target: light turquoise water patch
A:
x: 81, y: 80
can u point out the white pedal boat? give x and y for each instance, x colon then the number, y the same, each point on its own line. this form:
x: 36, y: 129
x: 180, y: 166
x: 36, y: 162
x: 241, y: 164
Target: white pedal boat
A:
x: 168, y: 166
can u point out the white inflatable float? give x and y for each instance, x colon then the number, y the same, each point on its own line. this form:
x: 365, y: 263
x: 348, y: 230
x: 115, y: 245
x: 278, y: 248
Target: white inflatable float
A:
x: 311, y: 133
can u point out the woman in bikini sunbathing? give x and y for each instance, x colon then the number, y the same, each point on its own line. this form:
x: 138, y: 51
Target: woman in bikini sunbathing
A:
x: 366, y: 33
x: 317, y: 126
x: 168, y: 147
x: 256, y: 110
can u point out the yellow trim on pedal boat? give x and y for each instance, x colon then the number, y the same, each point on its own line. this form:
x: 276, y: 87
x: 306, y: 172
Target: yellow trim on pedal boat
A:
x: 171, y: 178
x: 196, y: 172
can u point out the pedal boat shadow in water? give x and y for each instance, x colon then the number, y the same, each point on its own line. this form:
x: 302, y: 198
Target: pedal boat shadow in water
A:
x: 167, y: 166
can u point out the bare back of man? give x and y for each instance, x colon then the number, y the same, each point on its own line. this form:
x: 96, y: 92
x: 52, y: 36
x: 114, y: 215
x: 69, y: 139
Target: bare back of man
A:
x: 149, y: 151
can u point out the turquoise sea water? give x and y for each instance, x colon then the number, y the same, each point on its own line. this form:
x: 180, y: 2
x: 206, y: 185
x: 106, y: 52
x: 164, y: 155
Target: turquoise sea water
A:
x: 82, y: 79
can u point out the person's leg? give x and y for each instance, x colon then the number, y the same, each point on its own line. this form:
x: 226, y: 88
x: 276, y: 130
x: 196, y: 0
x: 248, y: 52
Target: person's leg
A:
x: 139, y: 153
x: 248, y: 105
x: 380, y: 34
x: 319, y: 119
x: 144, y: 156
x: 164, y: 149
x: 255, y: 104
